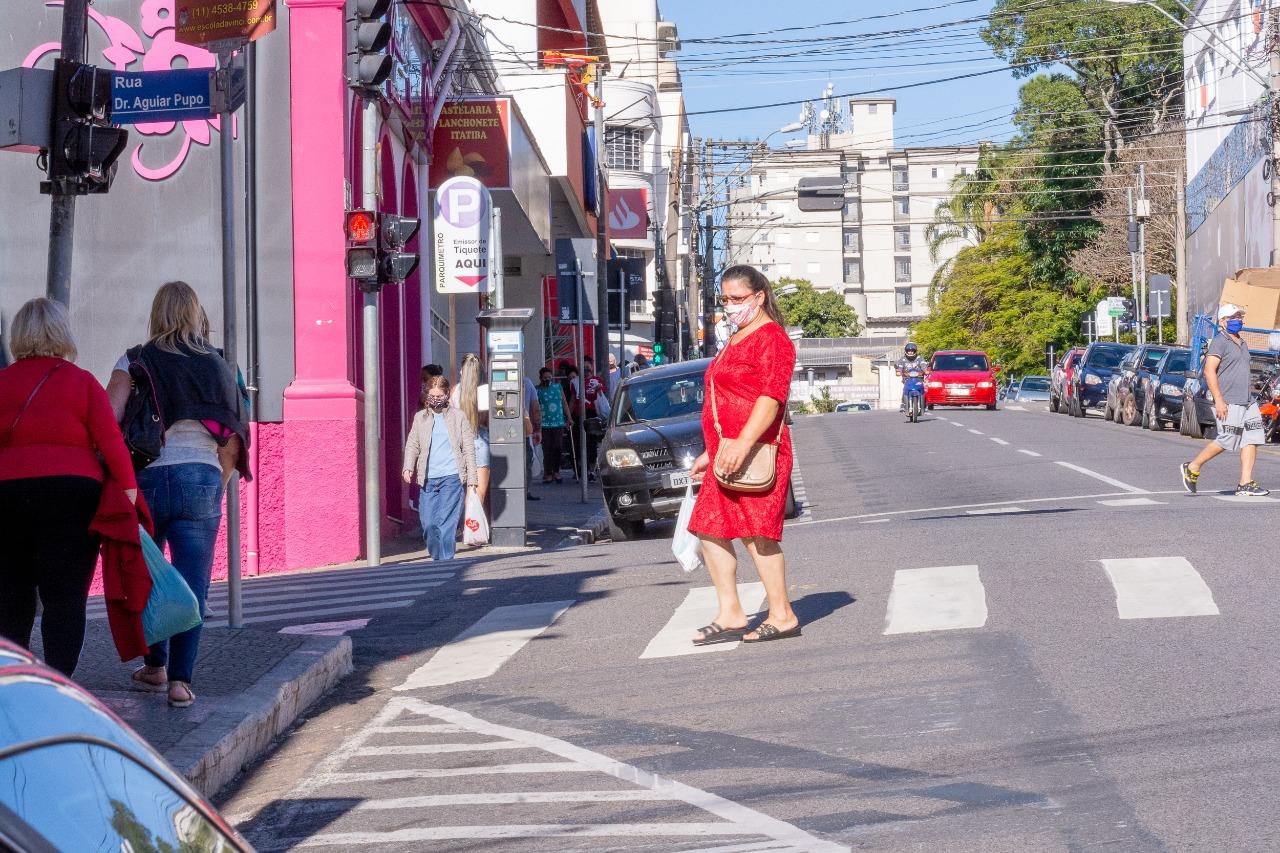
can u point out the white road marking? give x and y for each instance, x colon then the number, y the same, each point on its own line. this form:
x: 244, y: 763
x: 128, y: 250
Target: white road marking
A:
x: 536, y: 830
x: 354, y: 606
x: 1132, y: 502
x: 1245, y: 499
x: 1159, y: 587
x: 1104, y: 478
x: 508, y: 798
x: 936, y: 599
x: 437, y: 748
x: 356, y: 776
x: 1030, y: 453
x: 1000, y: 441
x: 956, y: 423
x: 876, y: 521
x: 771, y: 846
x: 482, y: 649
x: 325, y: 629
x: 996, y: 510
x: 977, y: 432
x: 889, y: 513
x: 1016, y: 408
x: 698, y: 609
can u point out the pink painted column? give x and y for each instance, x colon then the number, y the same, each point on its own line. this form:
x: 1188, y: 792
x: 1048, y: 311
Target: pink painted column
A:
x: 322, y: 411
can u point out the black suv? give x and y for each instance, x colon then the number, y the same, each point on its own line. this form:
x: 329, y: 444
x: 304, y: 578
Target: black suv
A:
x: 654, y: 436
x: 1092, y: 375
x: 1163, y: 399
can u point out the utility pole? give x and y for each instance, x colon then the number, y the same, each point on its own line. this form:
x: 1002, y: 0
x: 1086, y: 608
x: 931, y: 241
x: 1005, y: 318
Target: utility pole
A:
x: 1133, y: 266
x: 1143, y: 212
x: 709, y: 286
x: 1180, y: 262
x: 62, y: 210
x: 602, y: 245
x: 372, y: 374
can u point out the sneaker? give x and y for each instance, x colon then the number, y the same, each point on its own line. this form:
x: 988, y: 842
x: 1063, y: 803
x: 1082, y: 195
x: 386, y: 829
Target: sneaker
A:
x: 1189, y: 477
x: 1251, y: 489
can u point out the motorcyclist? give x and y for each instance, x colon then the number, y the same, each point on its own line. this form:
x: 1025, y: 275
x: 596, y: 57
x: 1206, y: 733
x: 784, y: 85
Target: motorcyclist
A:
x: 910, y: 360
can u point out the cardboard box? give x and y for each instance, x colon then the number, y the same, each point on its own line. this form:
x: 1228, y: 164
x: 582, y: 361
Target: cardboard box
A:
x: 1257, y: 291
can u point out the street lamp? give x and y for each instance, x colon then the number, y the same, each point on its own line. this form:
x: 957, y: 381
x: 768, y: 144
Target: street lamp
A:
x: 786, y: 128
x: 1270, y: 86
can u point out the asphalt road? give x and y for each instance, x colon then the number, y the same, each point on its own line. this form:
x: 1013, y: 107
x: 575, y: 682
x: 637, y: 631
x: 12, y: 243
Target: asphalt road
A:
x: 1020, y: 634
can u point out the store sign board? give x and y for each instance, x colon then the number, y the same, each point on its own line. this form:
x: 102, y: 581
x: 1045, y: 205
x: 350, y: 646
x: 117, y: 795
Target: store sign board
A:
x: 473, y: 139
x: 220, y: 22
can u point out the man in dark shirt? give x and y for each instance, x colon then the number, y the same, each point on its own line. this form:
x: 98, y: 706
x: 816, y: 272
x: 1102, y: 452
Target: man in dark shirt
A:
x: 1226, y: 372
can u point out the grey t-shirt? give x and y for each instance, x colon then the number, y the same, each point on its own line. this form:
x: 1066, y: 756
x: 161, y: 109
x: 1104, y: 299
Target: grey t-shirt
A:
x: 1234, y: 379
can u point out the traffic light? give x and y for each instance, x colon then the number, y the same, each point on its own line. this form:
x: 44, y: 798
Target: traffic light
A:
x: 1127, y: 319
x: 370, y: 61
x: 83, y: 146
x: 394, y: 263
x: 361, y: 228
x: 1131, y: 237
x: 658, y: 357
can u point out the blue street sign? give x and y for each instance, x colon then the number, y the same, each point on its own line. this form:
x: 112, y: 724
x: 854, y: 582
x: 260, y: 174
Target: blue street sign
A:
x: 138, y: 97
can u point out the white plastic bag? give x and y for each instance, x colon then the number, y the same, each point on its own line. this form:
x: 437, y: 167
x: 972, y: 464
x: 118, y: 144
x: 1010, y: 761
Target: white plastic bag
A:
x: 603, y: 407
x: 685, y: 545
x: 475, y: 527
x: 535, y: 472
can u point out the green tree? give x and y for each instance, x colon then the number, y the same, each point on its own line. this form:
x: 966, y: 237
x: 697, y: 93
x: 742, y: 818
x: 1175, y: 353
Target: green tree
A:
x: 824, y: 404
x: 821, y: 313
x: 993, y: 301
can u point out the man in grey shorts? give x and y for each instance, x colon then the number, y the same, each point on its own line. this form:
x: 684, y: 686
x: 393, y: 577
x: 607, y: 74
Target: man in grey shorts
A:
x: 1226, y: 372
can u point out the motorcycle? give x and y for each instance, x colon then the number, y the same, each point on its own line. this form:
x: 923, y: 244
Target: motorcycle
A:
x: 913, y: 392
x: 1269, y: 404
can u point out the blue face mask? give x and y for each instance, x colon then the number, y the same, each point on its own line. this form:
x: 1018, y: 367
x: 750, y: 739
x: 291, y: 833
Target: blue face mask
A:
x: 1234, y: 326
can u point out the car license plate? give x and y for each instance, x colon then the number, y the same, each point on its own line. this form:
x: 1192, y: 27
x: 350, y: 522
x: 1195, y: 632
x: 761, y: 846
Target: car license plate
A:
x: 677, y: 481
x: 958, y: 392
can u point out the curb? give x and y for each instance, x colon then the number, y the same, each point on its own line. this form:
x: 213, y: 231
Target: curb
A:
x: 258, y: 715
x: 593, y: 530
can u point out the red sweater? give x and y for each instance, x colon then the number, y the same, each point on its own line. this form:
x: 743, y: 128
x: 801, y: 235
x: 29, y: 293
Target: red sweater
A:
x: 68, y: 423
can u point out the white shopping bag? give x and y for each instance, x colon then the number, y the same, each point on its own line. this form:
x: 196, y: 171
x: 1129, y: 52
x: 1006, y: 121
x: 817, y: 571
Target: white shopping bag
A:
x: 685, y: 545
x: 535, y: 471
x: 475, y: 527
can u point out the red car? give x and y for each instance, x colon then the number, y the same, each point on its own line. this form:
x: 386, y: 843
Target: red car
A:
x: 961, y: 378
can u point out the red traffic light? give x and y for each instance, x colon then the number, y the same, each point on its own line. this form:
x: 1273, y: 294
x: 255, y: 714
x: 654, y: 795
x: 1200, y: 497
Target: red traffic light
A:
x: 362, y: 226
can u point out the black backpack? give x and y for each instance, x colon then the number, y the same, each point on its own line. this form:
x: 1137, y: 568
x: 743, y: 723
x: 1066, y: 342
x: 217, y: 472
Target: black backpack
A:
x: 143, y: 421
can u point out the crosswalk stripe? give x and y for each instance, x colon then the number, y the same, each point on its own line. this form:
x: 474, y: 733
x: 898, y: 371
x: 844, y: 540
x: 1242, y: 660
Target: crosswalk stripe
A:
x: 1132, y: 502
x: 995, y: 510
x: 698, y: 609
x: 437, y: 748
x: 1110, y: 481
x: 1030, y: 453
x: 482, y: 649
x: 936, y: 599
x: 290, y: 606
x: 1159, y: 587
x: 323, y: 611
x: 348, y: 777
x: 977, y: 432
x: 1246, y: 499
x: 504, y: 798
x: 1000, y: 441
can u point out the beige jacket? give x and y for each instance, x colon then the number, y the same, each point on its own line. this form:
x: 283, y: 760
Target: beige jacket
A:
x: 461, y: 436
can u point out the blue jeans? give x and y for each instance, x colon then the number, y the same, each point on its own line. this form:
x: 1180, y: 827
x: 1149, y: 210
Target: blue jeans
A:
x: 440, y: 510
x: 186, y: 504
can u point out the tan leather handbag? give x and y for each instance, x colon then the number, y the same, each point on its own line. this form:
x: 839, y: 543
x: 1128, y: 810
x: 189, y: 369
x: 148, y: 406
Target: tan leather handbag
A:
x: 760, y: 471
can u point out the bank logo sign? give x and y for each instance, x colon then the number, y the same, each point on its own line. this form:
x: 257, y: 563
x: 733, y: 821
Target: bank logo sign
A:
x: 463, y: 221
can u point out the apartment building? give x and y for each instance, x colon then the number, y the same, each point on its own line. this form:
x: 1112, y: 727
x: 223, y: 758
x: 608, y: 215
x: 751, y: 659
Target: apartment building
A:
x: 851, y: 216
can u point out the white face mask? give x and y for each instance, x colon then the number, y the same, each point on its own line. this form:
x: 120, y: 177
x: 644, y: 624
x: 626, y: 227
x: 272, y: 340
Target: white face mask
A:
x: 742, y: 315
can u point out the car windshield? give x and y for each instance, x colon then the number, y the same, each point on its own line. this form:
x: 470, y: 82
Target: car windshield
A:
x: 656, y: 399
x: 1152, y: 358
x: 1179, y: 362
x: 1106, y: 356
x: 964, y: 361
x: 1035, y: 383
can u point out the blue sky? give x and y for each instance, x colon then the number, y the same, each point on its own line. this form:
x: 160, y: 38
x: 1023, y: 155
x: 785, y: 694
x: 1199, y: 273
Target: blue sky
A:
x: 961, y: 111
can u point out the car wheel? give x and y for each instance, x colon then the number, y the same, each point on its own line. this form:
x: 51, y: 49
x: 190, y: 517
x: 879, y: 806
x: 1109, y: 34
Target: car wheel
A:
x: 623, y: 530
x: 929, y: 407
x: 991, y: 407
x: 791, y: 509
x: 1053, y: 403
x: 1190, y: 423
x: 1108, y: 413
x: 1075, y: 408
x: 1129, y: 411
x: 1152, y: 419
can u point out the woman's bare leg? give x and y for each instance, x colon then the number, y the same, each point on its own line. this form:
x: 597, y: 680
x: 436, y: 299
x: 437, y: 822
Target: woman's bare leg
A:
x: 772, y: 567
x: 722, y: 564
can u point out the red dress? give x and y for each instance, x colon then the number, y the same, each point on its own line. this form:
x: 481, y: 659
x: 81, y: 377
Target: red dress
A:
x: 758, y: 366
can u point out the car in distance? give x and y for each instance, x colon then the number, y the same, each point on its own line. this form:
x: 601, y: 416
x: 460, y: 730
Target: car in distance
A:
x: 1089, y: 379
x: 854, y: 406
x: 74, y: 777
x: 1060, y: 380
x: 653, y: 438
x: 1164, y: 398
x: 960, y: 378
x: 1111, y: 407
x: 1032, y: 389
x: 1135, y: 380
x: 1008, y: 392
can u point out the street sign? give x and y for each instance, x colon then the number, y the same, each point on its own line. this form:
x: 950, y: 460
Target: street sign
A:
x: 138, y: 97
x: 463, y: 224
x: 222, y: 24
x: 583, y: 251
x: 1159, y: 300
x: 1115, y: 306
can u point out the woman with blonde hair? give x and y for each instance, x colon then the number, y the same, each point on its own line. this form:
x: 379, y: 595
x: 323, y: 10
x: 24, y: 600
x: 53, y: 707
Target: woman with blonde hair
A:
x: 440, y: 454
x: 54, y: 421
x: 471, y: 396
x: 205, y: 441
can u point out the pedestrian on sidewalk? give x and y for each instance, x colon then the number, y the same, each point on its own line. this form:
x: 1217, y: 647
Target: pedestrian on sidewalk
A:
x: 595, y: 402
x: 471, y: 396
x: 1226, y: 372
x: 54, y: 421
x: 748, y: 385
x: 205, y: 441
x: 554, y: 407
x: 440, y: 454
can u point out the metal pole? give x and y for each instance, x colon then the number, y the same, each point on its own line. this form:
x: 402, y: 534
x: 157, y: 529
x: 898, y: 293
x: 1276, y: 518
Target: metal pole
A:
x: 1133, y: 274
x: 251, y: 349
x: 1273, y: 86
x: 496, y: 271
x: 708, y: 290
x: 623, y: 310
x: 1160, y: 316
x: 372, y: 378
x: 230, y: 344
x: 1180, y: 262
x: 1143, y: 285
x: 62, y: 208
x: 602, y: 245
x: 580, y: 429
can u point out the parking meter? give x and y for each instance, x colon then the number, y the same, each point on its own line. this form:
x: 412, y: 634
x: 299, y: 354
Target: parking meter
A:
x: 508, y: 446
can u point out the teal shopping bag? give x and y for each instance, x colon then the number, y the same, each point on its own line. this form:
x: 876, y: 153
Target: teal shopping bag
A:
x: 172, y: 607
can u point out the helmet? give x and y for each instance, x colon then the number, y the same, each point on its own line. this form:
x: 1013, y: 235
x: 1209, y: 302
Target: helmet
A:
x: 910, y: 347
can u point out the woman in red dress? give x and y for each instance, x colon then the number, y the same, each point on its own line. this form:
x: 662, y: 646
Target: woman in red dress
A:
x: 749, y: 381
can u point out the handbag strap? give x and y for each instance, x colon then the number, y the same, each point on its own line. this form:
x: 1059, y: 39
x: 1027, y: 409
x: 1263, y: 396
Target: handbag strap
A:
x: 715, y: 411
x: 22, y: 411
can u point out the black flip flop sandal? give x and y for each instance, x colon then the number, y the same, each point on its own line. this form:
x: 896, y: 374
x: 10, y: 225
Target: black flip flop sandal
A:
x: 717, y: 633
x: 766, y: 632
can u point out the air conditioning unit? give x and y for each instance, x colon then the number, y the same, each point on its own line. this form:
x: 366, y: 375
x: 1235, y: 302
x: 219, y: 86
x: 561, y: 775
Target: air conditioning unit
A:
x: 668, y: 38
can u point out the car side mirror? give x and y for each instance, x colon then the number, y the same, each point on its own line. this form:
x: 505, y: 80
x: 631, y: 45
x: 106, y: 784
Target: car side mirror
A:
x: 995, y: 368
